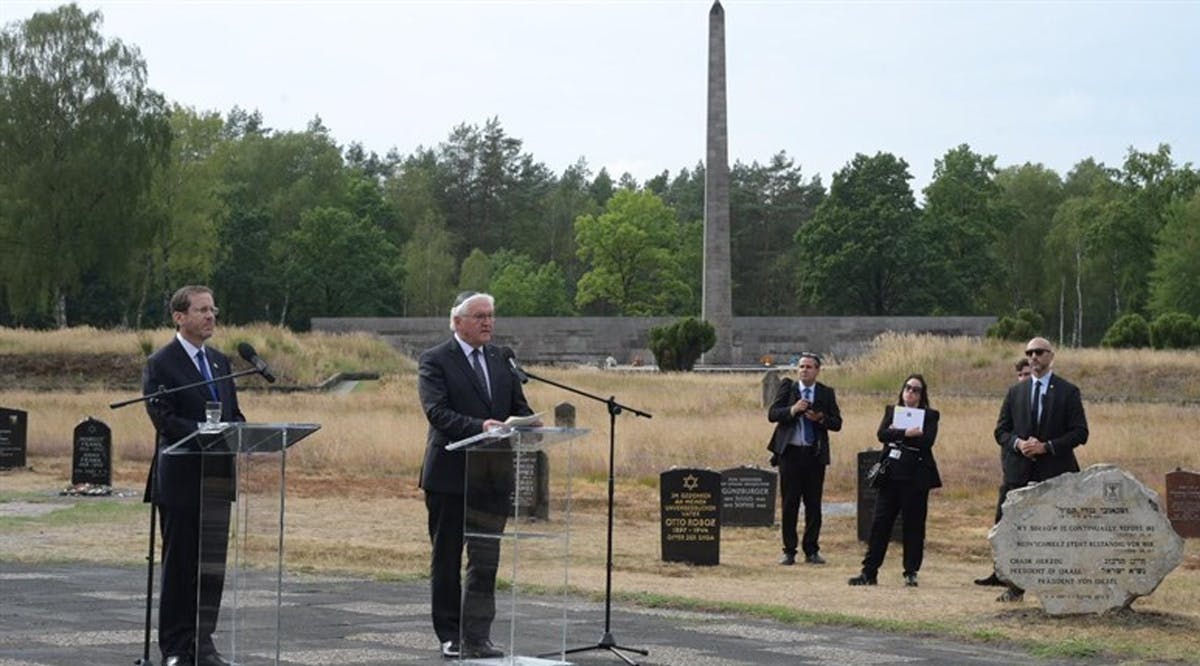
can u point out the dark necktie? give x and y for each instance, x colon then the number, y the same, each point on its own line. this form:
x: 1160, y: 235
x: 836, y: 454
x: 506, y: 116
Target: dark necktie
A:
x: 806, y: 426
x: 479, y: 371
x: 202, y: 361
x: 1033, y: 406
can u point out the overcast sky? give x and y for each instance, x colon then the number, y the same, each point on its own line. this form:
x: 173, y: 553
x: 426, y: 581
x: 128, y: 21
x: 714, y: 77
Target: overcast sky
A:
x: 623, y: 84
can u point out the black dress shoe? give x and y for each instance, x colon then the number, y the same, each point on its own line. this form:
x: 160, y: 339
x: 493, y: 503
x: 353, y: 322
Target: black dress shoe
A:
x: 814, y: 559
x: 863, y: 579
x: 1011, y: 595
x: 481, y: 650
x: 990, y: 581
x: 178, y: 660
x: 450, y: 650
x: 788, y: 559
x: 910, y: 580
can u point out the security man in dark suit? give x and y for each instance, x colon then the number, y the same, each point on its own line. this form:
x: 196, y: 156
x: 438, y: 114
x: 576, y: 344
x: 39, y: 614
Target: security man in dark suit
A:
x: 192, y: 492
x: 466, y: 387
x: 1040, y: 424
x: 804, y: 413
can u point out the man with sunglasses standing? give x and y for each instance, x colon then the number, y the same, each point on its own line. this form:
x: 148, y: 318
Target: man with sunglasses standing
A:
x: 1040, y: 424
x: 804, y: 413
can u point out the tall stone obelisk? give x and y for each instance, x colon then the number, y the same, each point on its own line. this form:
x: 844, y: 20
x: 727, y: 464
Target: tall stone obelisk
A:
x: 718, y: 293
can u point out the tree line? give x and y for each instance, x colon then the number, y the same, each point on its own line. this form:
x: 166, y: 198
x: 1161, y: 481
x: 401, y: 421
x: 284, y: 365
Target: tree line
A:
x: 111, y: 196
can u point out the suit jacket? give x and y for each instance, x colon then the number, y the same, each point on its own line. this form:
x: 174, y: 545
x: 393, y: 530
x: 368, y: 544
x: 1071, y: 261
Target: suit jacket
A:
x: 918, y: 466
x: 456, y: 404
x: 1063, y: 426
x: 177, y: 478
x: 824, y: 400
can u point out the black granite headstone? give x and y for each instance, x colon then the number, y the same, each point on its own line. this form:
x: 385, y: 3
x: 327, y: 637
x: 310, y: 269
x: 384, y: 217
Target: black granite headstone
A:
x: 532, y: 472
x: 13, y: 425
x: 866, y: 500
x: 91, y: 460
x: 748, y: 497
x: 1183, y: 503
x: 691, y: 516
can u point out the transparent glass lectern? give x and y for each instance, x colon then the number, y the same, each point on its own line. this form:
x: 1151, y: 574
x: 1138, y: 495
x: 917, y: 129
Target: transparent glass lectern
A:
x: 517, y: 519
x: 239, y: 578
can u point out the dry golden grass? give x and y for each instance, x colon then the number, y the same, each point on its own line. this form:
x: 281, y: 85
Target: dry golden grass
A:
x: 296, y: 358
x: 353, y: 504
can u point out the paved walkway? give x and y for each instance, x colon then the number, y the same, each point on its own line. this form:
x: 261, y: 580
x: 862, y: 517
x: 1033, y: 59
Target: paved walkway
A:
x: 75, y: 613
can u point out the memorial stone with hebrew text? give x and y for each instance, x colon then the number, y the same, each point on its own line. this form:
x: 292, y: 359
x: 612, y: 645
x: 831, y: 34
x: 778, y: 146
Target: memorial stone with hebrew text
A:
x: 1086, y: 542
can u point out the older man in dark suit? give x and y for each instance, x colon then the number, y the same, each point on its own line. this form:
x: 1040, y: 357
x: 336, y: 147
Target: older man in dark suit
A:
x: 804, y: 412
x: 193, y: 492
x: 466, y: 387
x: 1040, y: 424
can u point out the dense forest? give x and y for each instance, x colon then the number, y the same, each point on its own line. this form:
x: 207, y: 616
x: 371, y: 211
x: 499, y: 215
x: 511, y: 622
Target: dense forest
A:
x: 111, y: 196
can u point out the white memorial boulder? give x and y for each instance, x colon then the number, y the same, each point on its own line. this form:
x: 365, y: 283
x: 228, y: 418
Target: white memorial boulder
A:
x: 1086, y: 542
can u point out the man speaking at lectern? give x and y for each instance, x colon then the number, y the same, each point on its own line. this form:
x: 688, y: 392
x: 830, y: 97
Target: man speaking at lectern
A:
x: 466, y: 387
x: 189, y: 487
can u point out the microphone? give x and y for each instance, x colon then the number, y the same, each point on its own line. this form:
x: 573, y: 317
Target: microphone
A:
x: 511, y: 357
x: 246, y: 351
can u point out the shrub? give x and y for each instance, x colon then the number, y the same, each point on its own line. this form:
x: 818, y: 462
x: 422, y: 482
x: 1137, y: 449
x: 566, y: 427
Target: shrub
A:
x: 1174, y: 330
x: 678, y: 346
x: 1020, y: 327
x: 1128, y: 332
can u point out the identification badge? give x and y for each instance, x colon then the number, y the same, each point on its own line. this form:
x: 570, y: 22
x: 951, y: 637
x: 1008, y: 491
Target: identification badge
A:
x: 894, y: 454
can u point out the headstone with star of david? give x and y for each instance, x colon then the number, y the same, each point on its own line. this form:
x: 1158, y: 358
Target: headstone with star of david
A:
x: 691, y: 516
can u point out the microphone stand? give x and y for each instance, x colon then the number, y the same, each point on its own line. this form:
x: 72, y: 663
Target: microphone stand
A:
x: 151, y: 397
x: 607, y: 640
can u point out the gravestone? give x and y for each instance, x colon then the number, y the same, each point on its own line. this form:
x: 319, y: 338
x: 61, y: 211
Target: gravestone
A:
x: 13, y: 427
x: 748, y: 497
x: 867, y: 496
x: 1183, y: 503
x: 1085, y: 542
x: 91, y: 458
x: 691, y: 516
x: 770, y: 386
x: 531, y: 470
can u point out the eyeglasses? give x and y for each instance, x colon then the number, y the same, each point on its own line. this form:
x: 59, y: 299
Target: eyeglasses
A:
x: 914, y: 388
x: 1036, y: 352
x: 214, y: 310
x: 482, y: 317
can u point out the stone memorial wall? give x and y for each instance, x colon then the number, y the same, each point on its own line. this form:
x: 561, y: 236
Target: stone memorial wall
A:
x: 1086, y: 542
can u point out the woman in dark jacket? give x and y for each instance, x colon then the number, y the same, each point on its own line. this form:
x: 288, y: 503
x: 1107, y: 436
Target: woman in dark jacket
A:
x: 912, y: 471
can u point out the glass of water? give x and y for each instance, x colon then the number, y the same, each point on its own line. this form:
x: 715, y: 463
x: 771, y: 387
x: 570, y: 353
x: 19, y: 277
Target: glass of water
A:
x: 212, y: 416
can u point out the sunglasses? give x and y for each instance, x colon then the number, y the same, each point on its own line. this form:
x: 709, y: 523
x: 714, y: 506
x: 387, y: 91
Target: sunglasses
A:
x: 1036, y: 352
x: 914, y: 388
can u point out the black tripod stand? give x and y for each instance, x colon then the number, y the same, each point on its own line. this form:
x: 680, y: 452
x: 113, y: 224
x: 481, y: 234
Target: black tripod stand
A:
x: 162, y: 391
x: 607, y: 640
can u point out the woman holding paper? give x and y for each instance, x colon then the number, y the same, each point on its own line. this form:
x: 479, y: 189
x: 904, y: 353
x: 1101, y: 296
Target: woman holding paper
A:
x: 908, y: 430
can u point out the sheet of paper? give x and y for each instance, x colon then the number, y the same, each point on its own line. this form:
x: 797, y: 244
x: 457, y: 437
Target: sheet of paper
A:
x: 904, y: 418
x: 518, y: 421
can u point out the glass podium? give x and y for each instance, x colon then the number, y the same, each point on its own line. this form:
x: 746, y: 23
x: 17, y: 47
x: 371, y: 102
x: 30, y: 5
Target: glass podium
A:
x: 516, y: 525
x: 239, y: 581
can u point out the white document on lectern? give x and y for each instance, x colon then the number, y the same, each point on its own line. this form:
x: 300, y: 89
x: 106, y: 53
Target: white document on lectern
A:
x: 904, y: 418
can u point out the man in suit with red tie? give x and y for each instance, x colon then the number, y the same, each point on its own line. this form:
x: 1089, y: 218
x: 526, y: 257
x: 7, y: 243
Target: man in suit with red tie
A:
x: 466, y: 388
x: 193, y: 492
x: 804, y: 413
x: 1040, y: 424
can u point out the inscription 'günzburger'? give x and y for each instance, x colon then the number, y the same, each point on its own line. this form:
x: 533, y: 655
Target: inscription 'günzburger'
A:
x: 1085, y: 542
